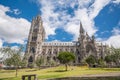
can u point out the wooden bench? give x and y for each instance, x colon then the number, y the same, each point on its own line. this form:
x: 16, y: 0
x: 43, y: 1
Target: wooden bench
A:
x: 29, y: 77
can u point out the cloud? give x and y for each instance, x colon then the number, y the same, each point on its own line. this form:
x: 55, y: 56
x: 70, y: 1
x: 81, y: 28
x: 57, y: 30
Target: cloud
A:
x: 57, y: 14
x: 114, y: 40
x: 16, y: 11
x: 65, y: 14
x: 116, y: 1
x: 1, y: 43
x: 116, y: 31
x: 13, y: 30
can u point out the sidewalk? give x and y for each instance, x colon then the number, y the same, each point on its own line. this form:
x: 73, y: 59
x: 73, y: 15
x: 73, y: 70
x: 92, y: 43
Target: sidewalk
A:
x: 112, y: 74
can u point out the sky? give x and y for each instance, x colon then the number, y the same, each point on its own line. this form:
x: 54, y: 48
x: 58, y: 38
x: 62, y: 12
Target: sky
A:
x: 61, y: 20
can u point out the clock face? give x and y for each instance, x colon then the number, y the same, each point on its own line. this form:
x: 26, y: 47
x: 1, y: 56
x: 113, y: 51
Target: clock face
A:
x: 78, y: 43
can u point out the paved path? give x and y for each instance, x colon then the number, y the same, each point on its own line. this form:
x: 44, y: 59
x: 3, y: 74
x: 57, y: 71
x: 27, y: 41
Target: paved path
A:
x: 103, y: 74
x: 100, y: 75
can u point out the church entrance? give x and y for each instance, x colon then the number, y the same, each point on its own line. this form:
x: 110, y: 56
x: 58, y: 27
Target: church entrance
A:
x: 30, y: 61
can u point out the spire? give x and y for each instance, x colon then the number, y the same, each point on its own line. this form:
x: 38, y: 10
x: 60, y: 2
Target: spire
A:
x: 81, y: 28
x: 38, y: 17
x: 81, y: 32
x: 87, y: 36
x: 38, y: 20
x: 93, y: 38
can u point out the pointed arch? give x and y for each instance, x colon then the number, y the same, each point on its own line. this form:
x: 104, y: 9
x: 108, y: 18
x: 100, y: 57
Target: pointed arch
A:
x: 30, y: 60
x: 89, y: 48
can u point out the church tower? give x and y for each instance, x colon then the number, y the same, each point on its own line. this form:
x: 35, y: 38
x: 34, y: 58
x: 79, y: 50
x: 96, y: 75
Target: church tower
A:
x: 35, y: 39
x: 82, y: 42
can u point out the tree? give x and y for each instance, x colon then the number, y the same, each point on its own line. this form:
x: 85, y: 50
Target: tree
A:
x: 39, y: 61
x: 16, y: 62
x: 65, y: 58
x: 12, y: 57
x: 23, y: 64
x: 6, y: 52
x: 8, y: 61
x: 114, y: 57
x: 31, y: 65
x: 101, y: 62
x: 91, y: 60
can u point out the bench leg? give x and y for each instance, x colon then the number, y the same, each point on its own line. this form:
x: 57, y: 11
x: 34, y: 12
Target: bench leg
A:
x: 23, y: 78
x: 29, y: 77
x: 35, y: 78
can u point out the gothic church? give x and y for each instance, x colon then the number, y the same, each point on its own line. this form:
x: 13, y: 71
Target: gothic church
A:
x: 83, y: 47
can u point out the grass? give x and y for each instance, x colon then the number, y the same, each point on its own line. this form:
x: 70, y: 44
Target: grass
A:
x: 55, y: 72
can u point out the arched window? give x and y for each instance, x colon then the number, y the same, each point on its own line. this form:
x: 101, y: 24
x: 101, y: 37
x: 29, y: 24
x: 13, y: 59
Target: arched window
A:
x: 32, y: 50
x: 66, y: 49
x: 60, y: 50
x: 34, y: 38
x: 30, y: 59
x: 89, y: 48
x: 55, y: 51
x: 72, y: 51
x: 35, y: 28
x: 49, y: 51
x: 54, y: 58
x: 79, y: 59
x: 77, y: 51
x: 43, y: 51
x: 48, y: 58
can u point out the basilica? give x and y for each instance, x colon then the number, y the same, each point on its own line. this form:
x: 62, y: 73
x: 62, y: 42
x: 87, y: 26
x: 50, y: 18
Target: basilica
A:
x: 82, y: 48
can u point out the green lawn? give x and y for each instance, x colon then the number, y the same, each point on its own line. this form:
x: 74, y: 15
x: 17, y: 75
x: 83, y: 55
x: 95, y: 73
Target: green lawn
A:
x: 54, y: 72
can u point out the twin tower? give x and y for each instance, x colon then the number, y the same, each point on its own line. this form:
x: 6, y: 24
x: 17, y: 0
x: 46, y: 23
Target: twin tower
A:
x: 38, y: 48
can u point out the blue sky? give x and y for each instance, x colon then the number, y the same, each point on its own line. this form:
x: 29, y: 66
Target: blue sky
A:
x: 61, y: 20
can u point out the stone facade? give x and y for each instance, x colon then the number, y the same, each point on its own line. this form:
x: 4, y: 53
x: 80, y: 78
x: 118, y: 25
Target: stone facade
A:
x: 37, y: 47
